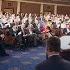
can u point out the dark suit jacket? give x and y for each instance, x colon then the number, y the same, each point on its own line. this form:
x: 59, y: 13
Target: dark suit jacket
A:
x: 65, y: 54
x: 54, y: 63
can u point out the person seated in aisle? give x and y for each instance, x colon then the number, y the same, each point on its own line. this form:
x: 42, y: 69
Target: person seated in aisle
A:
x: 54, y: 61
x: 9, y: 40
x: 2, y: 45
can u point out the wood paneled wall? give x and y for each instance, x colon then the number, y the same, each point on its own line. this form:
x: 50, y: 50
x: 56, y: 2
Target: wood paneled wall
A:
x: 29, y: 8
x: 26, y: 7
x: 9, y: 5
x: 63, y: 10
x: 48, y: 8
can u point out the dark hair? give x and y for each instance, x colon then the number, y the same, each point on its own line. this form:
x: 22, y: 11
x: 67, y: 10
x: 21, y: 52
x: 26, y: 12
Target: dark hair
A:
x: 53, y: 44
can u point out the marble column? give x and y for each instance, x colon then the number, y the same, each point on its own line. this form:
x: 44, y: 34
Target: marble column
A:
x: 55, y: 9
x: 41, y: 8
x: 0, y: 5
x: 18, y: 7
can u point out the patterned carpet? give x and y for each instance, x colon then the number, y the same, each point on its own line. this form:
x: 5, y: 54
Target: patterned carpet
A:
x: 23, y: 60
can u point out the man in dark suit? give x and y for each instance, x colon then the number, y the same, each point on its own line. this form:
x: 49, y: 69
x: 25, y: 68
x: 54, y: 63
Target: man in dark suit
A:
x: 54, y: 62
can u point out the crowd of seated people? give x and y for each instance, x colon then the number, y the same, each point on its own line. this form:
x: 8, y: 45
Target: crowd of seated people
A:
x: 29, y: 30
